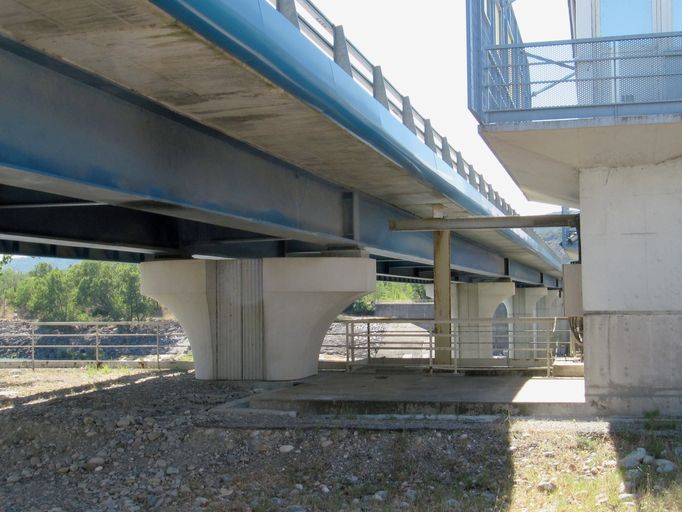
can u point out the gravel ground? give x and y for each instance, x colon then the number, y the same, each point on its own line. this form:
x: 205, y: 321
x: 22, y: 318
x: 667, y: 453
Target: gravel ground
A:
x: 132, y: 440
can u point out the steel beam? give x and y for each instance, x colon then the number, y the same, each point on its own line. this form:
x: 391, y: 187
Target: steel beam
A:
x: 502, y: 222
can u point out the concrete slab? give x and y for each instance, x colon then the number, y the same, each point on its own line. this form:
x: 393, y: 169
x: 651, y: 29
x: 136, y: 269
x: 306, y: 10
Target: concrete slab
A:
x: 430, y: 394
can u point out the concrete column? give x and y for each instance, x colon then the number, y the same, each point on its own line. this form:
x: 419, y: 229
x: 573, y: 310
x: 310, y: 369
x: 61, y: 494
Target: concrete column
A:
x: 379, y: 86
x: 631, y: 282
x: 257, y: 319
x: 525, y: 344
x: 478, y: 301
x: 442, y: 296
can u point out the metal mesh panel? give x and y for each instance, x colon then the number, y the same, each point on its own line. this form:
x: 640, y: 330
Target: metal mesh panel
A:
x: 583, y: 73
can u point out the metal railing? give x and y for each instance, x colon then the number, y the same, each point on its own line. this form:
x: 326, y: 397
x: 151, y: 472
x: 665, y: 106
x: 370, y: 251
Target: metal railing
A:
x: 608, y: 76
x: 504, y: 343
x: 331, y: 40
x: 82, y: 342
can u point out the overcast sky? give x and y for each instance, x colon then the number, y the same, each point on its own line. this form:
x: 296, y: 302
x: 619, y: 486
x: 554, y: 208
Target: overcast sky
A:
x: 421, y: 47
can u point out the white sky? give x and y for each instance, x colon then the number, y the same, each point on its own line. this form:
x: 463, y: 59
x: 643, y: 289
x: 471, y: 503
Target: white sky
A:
x: 421, y: 47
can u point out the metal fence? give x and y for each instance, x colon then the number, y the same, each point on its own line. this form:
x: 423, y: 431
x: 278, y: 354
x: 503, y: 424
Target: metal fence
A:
x: 331, y: 41
x: 634, y: 75
x: 504, y: 343
x: 83, y: 342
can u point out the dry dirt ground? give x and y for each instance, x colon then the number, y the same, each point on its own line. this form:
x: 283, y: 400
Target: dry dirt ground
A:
x: 131, y: 440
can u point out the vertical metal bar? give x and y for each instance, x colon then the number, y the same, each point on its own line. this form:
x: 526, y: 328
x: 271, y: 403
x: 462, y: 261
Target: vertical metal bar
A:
x: 431, y: 347
x: 369, y: 343
x: 352, y: 341
x: 549, y: 372
x: 347, y: 348
x: 96, y: 346
x: 441, y: 295
x: 158, y: 348
x: 33, y: 346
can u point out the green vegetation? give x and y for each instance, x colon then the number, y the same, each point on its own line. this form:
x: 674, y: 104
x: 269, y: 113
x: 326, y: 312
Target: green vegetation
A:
x: 387, y: 292
x: 83, y: 292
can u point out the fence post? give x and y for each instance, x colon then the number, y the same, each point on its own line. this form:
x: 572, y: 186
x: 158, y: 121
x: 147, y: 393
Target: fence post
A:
x: 347, y: 349
x: 369, y: 344
x: 352, y: 341
x: 431, y: 348
x: 96, y: 345
x: 33, y: 346
x: 158, y: 348
x: 547, y: 341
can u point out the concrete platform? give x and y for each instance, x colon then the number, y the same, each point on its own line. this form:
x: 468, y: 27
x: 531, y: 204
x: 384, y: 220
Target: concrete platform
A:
x: 430, y: 394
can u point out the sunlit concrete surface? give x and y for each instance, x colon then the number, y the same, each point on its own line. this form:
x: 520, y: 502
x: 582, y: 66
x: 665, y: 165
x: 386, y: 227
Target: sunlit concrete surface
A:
x: 430, y: 394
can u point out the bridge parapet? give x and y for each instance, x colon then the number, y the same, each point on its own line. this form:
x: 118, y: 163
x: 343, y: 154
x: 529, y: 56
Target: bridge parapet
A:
x: 331, y: 40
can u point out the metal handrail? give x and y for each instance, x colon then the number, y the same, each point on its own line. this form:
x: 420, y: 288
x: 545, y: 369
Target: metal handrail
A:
x: 531, y: 341
x: 97, y: 344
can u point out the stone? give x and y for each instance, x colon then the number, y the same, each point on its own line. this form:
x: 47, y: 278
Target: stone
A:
x: 295, y: 508
x: 124, y: 422
x: 648, y: 460
x: 286, y: 448
x: 678, y: 451
x: 94, y: 463
x: 324, y: 489
x: 626, y: 497
x: 665, y: 466
x: 327, y: 443
x: 380, y: 495
x: 201, y: 502
x: 547, y: 486
x: 632, y: 459
x: 172, y: 470
x: 633, y: 475
x: 153, y: 435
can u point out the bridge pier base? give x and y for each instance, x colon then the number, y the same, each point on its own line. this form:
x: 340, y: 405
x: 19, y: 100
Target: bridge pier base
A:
x: 631, y: 282
x: 479, y: 301
x: 257, y: 319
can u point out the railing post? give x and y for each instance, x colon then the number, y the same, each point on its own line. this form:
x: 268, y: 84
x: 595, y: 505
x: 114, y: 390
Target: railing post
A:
x: 447, y: 156
x: 472, y: 176
x: 96, y: 345
x: 341, y: 54
x: 482, y: 186
x: 547, y: 341
x: 369, y: 343
x: 33, y: 346
x: 431, y: 347
x: 288, y: 9
x: 158, y: 348
x: 408, y: 115
x: 347, y: 349
x: 352, y: 341
x: 429, y: 136
x: 460, y: 165
x: 379, y: 86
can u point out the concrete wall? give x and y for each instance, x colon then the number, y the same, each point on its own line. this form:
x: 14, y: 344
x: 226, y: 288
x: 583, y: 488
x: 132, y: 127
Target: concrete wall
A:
x: 423, y: 310
x: 632, y: 277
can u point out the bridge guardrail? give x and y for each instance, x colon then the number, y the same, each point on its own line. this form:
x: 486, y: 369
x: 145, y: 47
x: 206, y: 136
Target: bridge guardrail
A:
x: 331, y: 40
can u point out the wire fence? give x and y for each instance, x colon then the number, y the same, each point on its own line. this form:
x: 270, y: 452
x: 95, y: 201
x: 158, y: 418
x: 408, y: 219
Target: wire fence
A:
x: 90, y: 342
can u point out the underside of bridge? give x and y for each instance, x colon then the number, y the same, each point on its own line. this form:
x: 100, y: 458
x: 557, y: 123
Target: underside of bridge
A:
x: 172, y: 133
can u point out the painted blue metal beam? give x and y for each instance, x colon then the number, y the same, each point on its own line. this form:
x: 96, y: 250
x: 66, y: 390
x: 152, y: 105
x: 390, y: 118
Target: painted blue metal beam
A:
x: 255, y: 33
x: 63, y: 131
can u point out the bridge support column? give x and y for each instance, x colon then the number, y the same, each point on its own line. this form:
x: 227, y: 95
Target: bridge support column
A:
x: 526, y: 338
x: 631, y: 282
x: 442, y: 297
x: 479, y: 301
x: 257, y: 319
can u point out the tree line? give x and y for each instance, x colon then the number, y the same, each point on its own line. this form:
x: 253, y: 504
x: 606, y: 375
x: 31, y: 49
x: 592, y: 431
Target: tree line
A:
x: 86, y: 291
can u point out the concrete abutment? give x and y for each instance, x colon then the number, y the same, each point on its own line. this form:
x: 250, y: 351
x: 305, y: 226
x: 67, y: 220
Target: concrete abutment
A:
x: 257, y: 319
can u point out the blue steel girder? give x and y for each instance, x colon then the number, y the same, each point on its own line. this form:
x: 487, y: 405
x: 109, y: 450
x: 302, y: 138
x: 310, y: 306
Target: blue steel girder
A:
x: 64, y: 131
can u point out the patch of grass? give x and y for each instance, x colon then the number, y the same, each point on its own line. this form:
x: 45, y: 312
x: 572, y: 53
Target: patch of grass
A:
x: 186, y: 357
